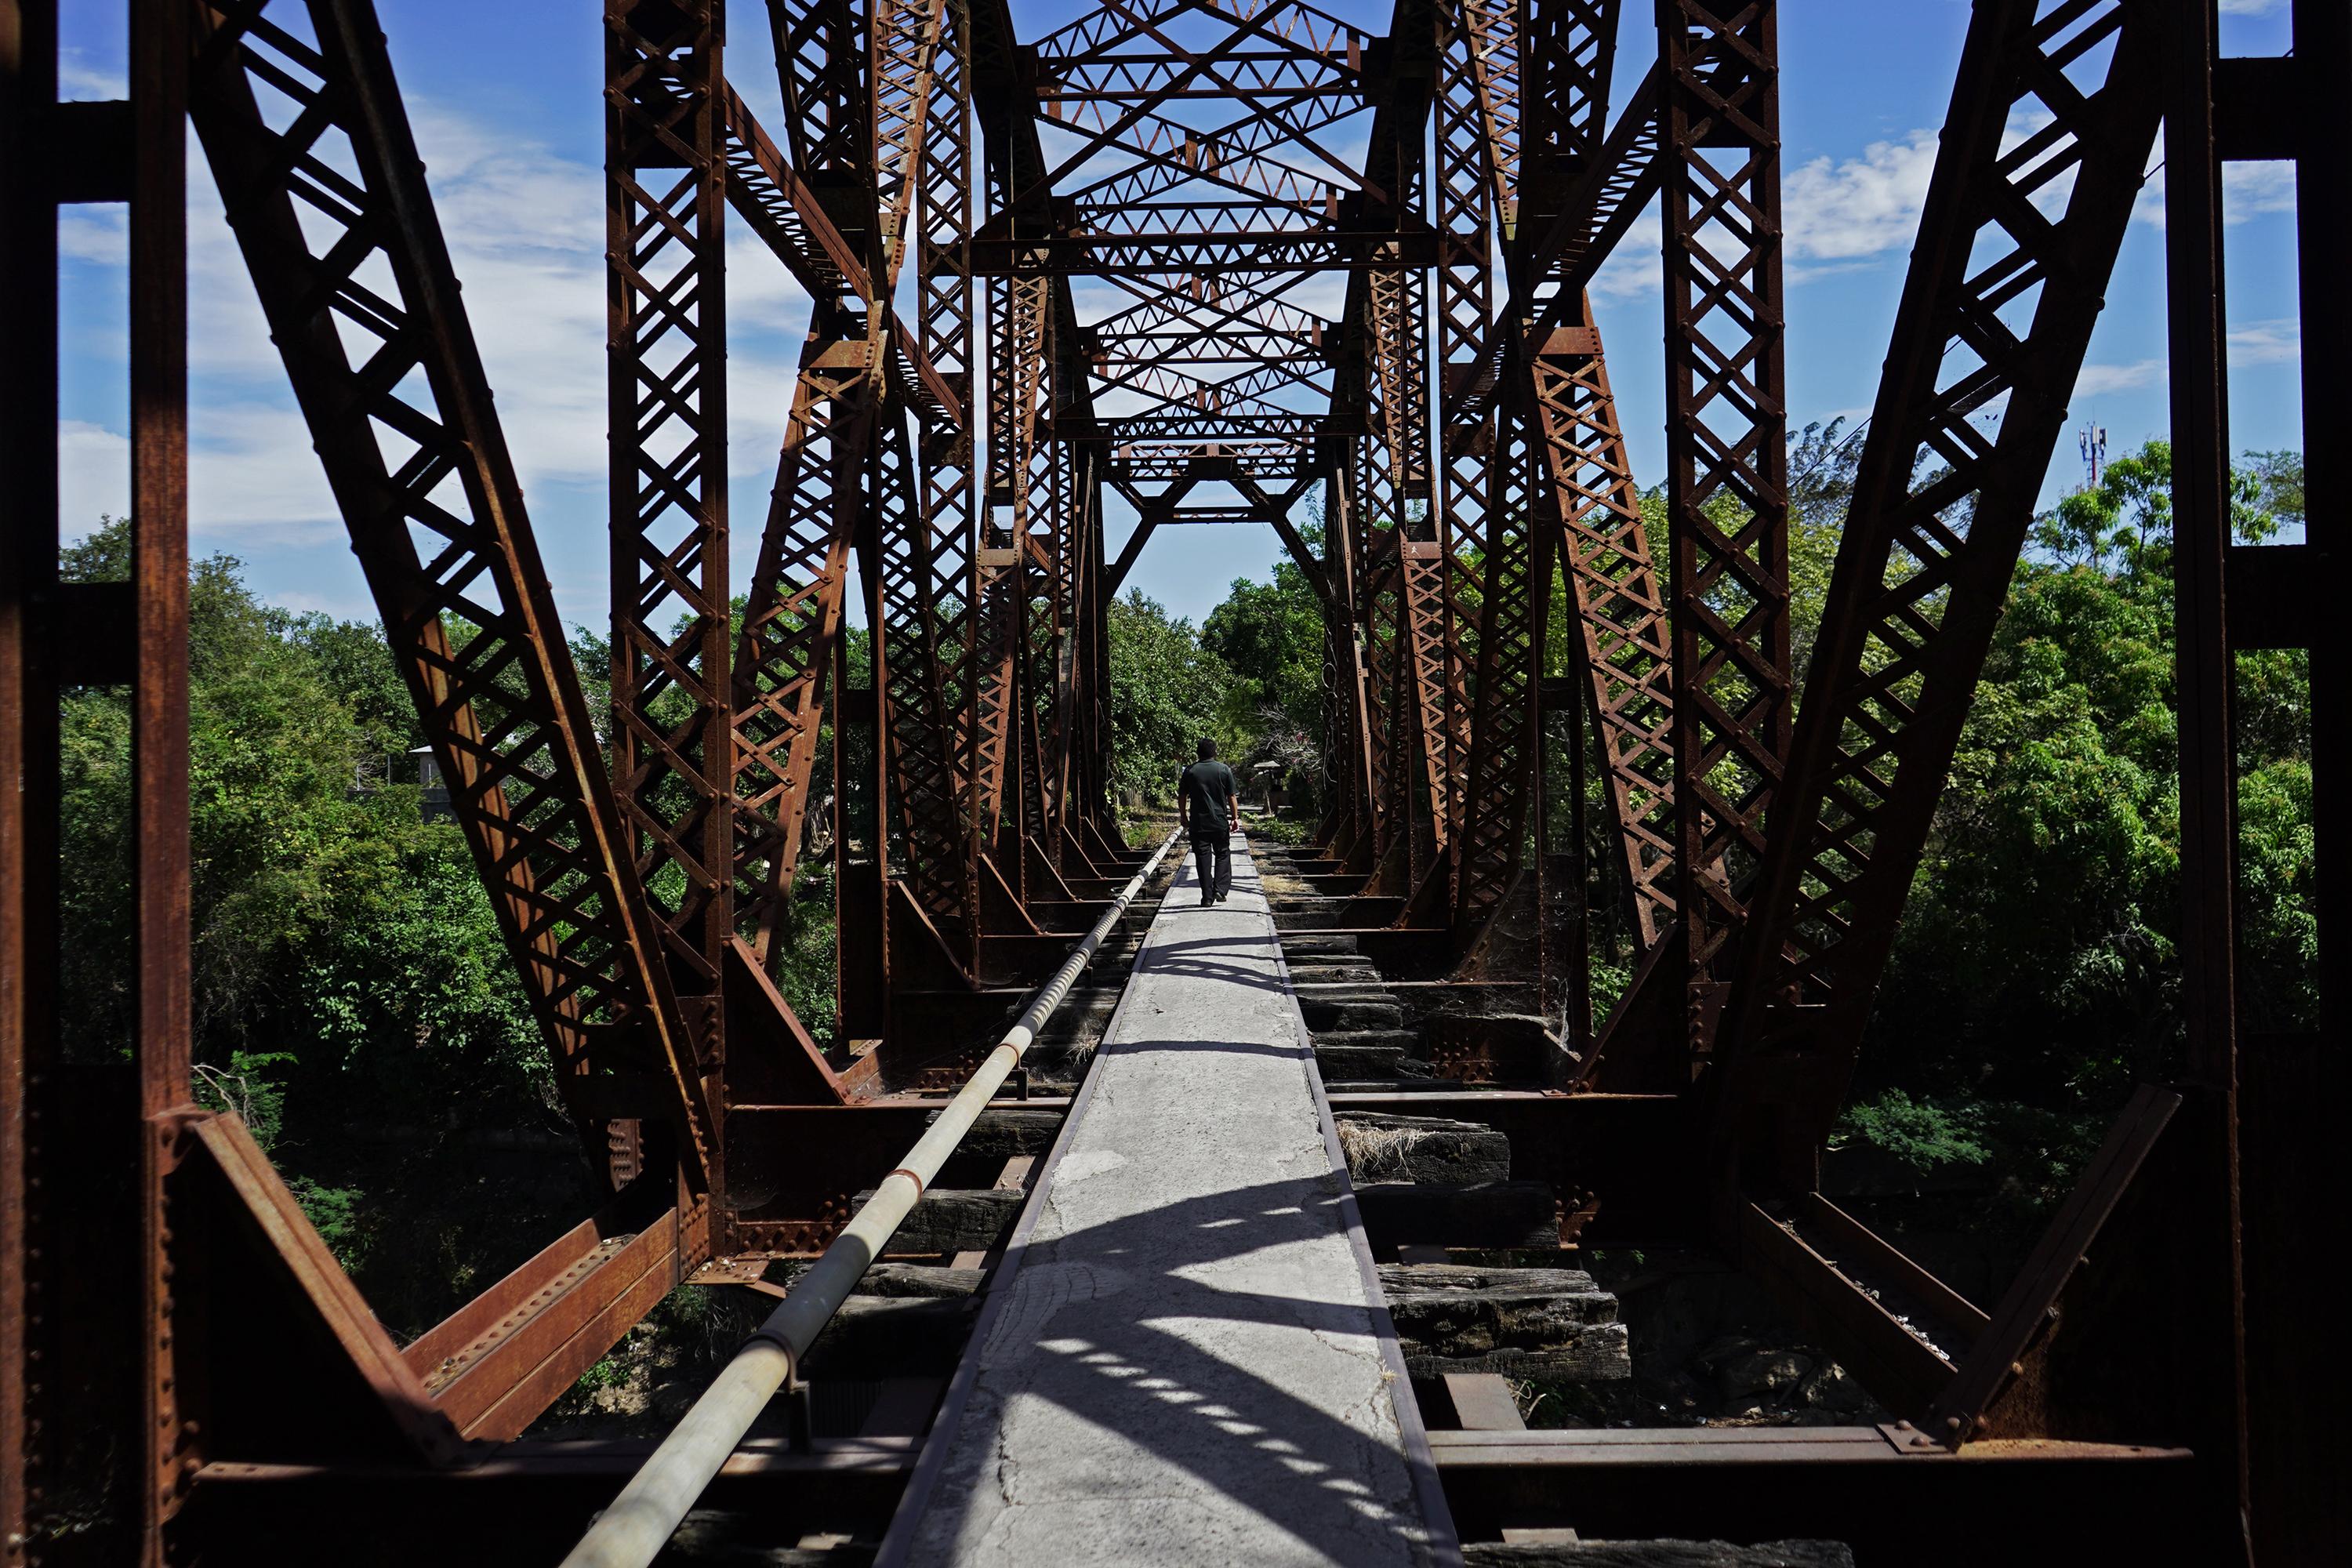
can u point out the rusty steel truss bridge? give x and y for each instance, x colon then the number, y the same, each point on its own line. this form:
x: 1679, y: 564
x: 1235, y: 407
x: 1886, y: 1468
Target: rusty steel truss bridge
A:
x: 1347, y: 261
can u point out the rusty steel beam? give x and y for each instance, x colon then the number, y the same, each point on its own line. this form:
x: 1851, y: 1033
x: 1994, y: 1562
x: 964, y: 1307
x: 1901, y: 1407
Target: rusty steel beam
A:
x: 1594, y: 213
x: 496, y: 1365
x: 1621, y: 613
x: 949, y: 340
x: 1564, y: 486
x: 1726, y: 480
x: 1377, y: 461
x: 779, y: 206
x: 791, y: 621
x: 1047, y: 588
x: 672, y: 746
x: 851, y: 481
x: 454, y: 570
x: 1474, y: 182
x: 929, y: 621
x: 1916, y: 591
x: 29, y: 861
x: 176, y: 1408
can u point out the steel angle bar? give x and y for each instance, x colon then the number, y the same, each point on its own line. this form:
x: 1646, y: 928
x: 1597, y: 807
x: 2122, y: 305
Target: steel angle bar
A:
x: 1727, y: 479
x: 791, y: 619
x: 666, y: 272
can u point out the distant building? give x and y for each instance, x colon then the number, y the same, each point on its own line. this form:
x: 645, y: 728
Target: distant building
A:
x: 433, y: 791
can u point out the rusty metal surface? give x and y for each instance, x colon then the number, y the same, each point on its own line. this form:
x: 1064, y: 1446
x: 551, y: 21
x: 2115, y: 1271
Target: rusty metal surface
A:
x: 176, y: 1409
x: 1727, y: 456
x: 666, y: 281
x: 29, y: 1431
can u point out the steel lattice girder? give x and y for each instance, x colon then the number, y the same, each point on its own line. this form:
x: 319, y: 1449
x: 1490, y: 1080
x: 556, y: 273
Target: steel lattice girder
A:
x: 672, y: 746
x: 2015, y: 249
x: 1621, y: 610
x: 867, y: 487
x: 1727, y: 474
x: 1042, y: 640
x: 437, y: 522
x: 792, y: 617
x: 1378, y: 457
x: 1473, y: 181
x: 1918, y: 586
x: 1580, y: 499
x: 1484, y: 496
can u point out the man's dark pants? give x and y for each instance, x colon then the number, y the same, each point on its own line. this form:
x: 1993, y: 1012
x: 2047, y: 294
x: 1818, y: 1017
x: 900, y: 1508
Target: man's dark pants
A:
x: 1213, y: 856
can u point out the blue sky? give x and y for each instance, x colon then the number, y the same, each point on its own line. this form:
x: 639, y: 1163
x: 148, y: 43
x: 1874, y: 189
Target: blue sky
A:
x: 505, y: 99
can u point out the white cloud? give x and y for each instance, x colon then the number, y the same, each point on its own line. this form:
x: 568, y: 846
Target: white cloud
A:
x: 80, y: 77
x: 2248, y: 191
x: 2101, y: 378
x: 1841, y: 215
x: 1634, y: 268
x: 526, y: 232
x: 2249, y: 7
x: 2256, y: 342
x: 95, y: 233
x: 93, y: 475
x: 2266, y: 343
x: 252, y: 475
x: 1858, y: 207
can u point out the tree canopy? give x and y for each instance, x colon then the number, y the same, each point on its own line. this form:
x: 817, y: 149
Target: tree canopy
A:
x: 1167, y: 692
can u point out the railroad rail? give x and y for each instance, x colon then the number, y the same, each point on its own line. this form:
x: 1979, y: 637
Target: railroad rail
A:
x: 1061, y: 281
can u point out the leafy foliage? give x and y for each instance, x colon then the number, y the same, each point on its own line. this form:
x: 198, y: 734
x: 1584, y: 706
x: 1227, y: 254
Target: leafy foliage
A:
x: 2038, y: 955
x: 353, y: 1001
x: 1167, y: 692
x: 1270, y: 635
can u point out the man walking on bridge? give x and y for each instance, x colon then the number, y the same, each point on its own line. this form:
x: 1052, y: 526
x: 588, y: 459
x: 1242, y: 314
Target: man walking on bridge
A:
x: 1208, y: 804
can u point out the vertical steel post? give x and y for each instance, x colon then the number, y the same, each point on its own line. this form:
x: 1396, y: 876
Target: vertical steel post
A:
x: 28, y: 761
x: 1726, y: 465
x: 159, y: 723
x: 2205, y: 679
x: 672, y: 752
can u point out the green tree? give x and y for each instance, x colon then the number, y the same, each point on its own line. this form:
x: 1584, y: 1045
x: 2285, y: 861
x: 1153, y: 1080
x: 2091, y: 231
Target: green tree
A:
x: 353, y: 998
x: 2035, y: 971
x: 1270, y: 635
x: 1167, y: 691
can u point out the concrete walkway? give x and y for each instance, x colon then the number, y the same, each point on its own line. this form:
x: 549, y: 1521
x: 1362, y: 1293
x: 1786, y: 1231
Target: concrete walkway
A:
x: 1182, y: 1360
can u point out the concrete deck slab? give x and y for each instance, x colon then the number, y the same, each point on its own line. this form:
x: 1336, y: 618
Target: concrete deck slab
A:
x: 1184, y: 1359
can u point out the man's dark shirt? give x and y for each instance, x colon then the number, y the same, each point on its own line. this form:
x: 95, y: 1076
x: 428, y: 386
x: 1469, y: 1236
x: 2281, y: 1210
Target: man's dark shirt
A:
x: 1208, y: 788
